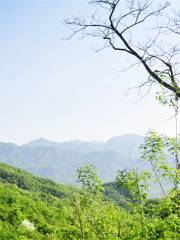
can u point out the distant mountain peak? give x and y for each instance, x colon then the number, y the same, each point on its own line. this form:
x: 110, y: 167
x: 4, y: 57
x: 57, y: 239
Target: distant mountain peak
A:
x: 41, y: 142
x: 59, y: 161
x: 126, y: 136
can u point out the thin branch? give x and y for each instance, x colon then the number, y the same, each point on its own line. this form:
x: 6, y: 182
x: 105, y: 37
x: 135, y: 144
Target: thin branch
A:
x: 116, y: 37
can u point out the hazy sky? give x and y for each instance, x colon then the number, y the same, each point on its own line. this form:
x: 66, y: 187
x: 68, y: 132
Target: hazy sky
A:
x: 63, y: 90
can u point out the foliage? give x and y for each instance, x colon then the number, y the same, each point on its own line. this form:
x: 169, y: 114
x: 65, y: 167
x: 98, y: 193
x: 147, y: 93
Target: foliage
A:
x: 96, y: 211
x: 89, y: 180
x: 116, y: 194
x: 27, y: 181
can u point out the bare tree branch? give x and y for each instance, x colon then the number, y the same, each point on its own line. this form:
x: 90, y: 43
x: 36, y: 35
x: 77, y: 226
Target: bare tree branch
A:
x: 117, y: 27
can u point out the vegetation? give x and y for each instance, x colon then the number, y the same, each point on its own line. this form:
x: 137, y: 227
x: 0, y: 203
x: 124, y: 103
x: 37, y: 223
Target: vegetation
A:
x: 27, y: 181
x: 35, y: 208
x: 117, y: 23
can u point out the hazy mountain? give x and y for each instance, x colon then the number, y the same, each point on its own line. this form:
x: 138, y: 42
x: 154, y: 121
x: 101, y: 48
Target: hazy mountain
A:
x: 59, y: 161
x: 124, y: 143
x: 41, y: 142
x: 76, y: 145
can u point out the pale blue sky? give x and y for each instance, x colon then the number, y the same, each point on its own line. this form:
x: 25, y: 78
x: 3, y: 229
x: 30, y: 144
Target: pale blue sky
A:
x: 63, y: 90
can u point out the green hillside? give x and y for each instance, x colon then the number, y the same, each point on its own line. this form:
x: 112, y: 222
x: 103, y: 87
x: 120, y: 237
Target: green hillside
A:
x: 41, y: 201
x: 36, y: 208
x: 27, y: 181
x: 115, y: 194
x: 26, y: 197
x: 16, y: 205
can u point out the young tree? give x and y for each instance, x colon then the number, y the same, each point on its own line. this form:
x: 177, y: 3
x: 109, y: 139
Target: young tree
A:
x: 89, y: 180
x: 137, y: 186
x: 155, y: 150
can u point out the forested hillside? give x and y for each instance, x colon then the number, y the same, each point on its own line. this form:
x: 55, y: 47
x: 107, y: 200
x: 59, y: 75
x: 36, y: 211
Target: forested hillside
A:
x: 29, y: 182
x: 42, y: 204
x: 36, y: 208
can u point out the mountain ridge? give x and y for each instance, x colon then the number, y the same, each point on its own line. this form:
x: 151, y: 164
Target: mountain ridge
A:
x: 42, y: 140
x: 59, y: 161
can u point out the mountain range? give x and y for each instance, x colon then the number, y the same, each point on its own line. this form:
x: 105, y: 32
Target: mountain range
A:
x: 59, y: 161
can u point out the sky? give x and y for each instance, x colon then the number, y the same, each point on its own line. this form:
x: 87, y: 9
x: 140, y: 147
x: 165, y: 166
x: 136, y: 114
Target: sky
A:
x: 64, y: 90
